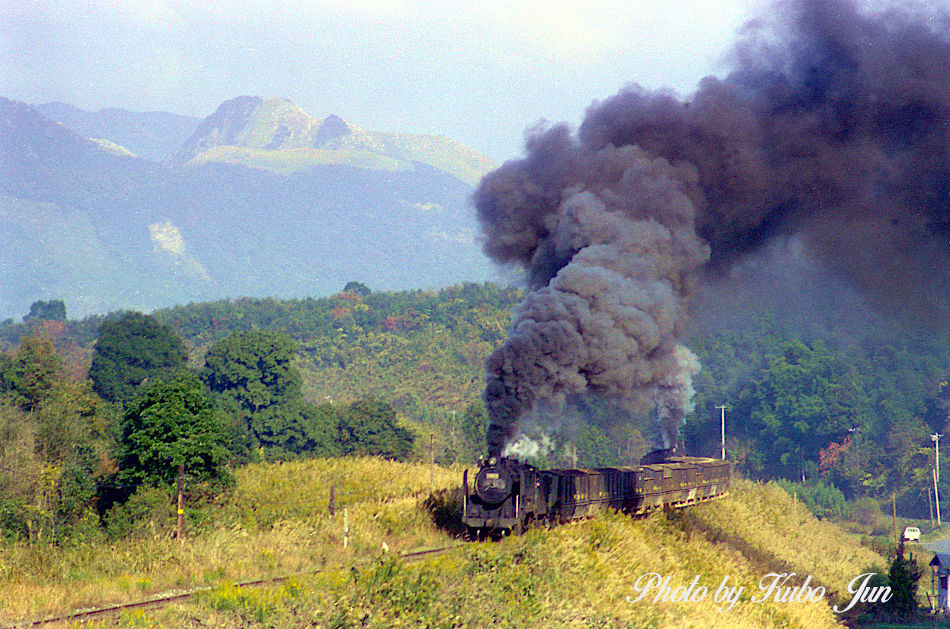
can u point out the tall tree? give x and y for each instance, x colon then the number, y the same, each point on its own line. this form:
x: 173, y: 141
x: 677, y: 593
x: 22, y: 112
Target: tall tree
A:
x: 254, y: 368
x: 257, y: 385
x: 131, y: 350
x: 52, y: 444
x: 54, y: 309
x: 903, y: 577
x: 31, y: 372
x: 168, y: 425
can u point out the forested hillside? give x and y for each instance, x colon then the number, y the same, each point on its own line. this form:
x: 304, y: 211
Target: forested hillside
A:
x: 845, y: 412
x: 853, y: 407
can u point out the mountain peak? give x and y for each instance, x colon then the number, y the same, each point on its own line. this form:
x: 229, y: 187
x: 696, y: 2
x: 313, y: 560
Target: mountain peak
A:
x: 251, y: 122
x: 332, y: 128
x: 275, y: 134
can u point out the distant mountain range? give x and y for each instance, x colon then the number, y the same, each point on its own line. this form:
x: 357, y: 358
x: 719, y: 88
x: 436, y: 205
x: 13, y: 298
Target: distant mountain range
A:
x: 116, y: 209
x: 154, y: 135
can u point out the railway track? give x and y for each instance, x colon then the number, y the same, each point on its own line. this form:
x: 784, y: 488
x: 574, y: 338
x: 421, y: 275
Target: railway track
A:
x: 175, y: 596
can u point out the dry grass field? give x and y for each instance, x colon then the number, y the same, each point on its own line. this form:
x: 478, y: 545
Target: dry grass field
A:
x: 276, y: 521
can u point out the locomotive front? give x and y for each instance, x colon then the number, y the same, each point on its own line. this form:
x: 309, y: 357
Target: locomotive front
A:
x: 495, y: 503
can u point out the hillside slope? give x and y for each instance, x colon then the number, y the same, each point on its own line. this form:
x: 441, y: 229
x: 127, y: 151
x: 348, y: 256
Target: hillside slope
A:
x: 153, y: 135
x: 276, y: 522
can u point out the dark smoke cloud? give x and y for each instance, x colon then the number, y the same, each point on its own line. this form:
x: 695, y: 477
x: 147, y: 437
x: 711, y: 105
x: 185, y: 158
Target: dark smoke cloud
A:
x: 610, y: 259
x: 833, y: 127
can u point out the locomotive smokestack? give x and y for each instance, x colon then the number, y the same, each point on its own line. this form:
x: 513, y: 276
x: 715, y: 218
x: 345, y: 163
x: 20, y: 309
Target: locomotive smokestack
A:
x: 833, y: 127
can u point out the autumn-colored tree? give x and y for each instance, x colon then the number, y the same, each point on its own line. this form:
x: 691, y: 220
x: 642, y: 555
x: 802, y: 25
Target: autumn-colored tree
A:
x: 830, y: 457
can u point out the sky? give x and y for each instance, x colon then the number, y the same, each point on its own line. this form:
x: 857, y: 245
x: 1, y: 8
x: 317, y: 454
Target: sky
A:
x: 478, y: 72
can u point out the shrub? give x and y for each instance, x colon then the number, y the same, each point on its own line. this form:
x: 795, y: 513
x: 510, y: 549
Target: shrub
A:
x: 822, y: 499
x: 148, y: 511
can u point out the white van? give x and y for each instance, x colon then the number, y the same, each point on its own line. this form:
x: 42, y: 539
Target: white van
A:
x: 912, y: 534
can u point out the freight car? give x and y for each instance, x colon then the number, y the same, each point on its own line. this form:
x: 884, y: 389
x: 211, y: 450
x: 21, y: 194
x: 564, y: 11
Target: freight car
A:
x: 508, y: 496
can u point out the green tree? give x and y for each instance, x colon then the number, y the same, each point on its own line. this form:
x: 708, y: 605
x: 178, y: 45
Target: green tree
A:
x: 593, y: 447
x: 132, y: 350
x: 359, y: 288
x: 805, y: 399
x: 54, y: 309
x: 368, y: 427
x: 52, y: 446
x: 474, y: 424
x: 172, y: 424
x: 256, y: 384
x: 255, y: 369
x: 31, y: 373
x: 903, y: 577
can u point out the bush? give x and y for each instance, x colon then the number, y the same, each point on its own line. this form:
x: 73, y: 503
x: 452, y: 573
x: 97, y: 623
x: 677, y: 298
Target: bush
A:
x: 866, y: 513
x: 822, y: 499
x: 150, y: 510
x: 13, y: 514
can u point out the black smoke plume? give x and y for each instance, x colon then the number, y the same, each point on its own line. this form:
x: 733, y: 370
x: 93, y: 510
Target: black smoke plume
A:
x: 832, y: 127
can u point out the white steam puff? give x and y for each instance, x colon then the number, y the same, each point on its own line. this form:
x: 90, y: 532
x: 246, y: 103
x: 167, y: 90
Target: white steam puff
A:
x: 525, y: 447
x: 674, y: 394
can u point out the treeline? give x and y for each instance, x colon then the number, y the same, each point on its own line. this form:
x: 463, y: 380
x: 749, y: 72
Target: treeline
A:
x: 73, y: 452
x: 354, y: 309
x: 841, y: 410
x: 844, y: 411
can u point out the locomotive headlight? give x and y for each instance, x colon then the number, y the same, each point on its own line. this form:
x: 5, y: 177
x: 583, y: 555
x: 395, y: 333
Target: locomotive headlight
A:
x: 492, y: 484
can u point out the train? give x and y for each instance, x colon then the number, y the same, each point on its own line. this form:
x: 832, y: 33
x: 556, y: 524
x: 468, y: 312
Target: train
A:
x: 508, y: 496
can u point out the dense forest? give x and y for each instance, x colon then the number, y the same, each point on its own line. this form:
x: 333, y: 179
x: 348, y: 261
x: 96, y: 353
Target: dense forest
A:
x: 93, y: 410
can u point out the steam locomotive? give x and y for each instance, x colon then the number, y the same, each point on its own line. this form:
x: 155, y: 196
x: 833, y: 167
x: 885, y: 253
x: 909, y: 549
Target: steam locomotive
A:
x: 508, y: 496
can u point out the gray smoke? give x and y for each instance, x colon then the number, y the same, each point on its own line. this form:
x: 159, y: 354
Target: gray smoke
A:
x: 833, y: 127
x: 610, y: 276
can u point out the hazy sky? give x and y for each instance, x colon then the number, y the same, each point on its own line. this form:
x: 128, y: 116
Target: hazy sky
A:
x: 480, y: 72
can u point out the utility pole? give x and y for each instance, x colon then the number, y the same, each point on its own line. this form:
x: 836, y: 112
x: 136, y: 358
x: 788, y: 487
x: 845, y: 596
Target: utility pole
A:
x: 936, y: 439
x: 431, y: 463
x: 181, y: 510
x: 930, y: 503
x: 937, y: 498
x: 723, y: 431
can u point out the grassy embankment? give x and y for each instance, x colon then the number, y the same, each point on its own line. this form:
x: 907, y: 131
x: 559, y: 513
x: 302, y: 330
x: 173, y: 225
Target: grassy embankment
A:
x: 276, y: 522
